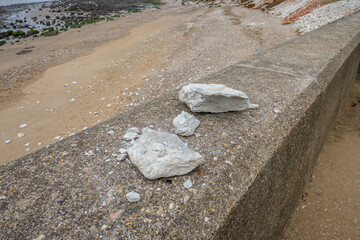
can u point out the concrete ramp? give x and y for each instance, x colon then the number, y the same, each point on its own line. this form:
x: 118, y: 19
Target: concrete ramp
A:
x: 245, y: 190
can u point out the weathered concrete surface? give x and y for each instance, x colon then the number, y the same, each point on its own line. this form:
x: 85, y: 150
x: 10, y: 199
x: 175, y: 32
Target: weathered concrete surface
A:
x: 62, y: 193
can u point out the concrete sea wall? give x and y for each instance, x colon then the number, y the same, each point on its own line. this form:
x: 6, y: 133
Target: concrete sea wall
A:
x: 61, y: 192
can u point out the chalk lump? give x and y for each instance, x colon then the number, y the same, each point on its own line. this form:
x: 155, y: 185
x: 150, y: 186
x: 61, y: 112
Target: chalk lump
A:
x: 161, y: 154
x: 185, y: 124
x: 214, y: 98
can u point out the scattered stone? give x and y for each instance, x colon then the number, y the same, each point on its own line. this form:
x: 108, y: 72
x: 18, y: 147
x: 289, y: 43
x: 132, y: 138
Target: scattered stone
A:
x: 20, y: 135
x: 72, y: 100
x: 206, y: 219
x: 121, y: 157
x: 39, y: 143
x: 89, y: 153
x: 133, y: 197
x: 229, y: 163
x: 185, y: 124
x: 122, y: 150
x: 24, y: 125
x: 8, y: 141
x: 110, y: 173
x: 26, y: 144
x: 2, y: 197
x: 131, y: 134
x: 57, y: 137
x: 111, y: 132
x: 187, y: 184
x: 156, y: 160
x: 197, y: 135
x: 277, y: 111
x: 186, y: 198
x: 151, y: 126
x: 214, y: 98
x: 40, y: 237
x: 103, y: 227
x: 66, y: 85
x: 232, y: 143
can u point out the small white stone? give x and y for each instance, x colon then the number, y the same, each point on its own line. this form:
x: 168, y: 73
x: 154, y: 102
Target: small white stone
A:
x: 66, y: 85
x: 187, y: 184
x: 57, y: 137
x: 28, y: 149
x: 111, y: 132
x: 103, y: 227
x: 232, y: 143
x: 111, y: 172
x: 109, y: 105
x: 89, y: 153
x: 20, y: 135
x: 121, y: 157
x: 24, y: 125
x: 206, y: 219
x: 26, y: 144
x: 133, y: 197
x: 131, y: 134
x: 40, y: 237
x: 277, y: 111
x: 72, y: 100
x: 229, y: 163
x: 122, y: 150
x: 8, y: 141
x: 37, y: 101
x: 185, y: 124
x: 39, y: 143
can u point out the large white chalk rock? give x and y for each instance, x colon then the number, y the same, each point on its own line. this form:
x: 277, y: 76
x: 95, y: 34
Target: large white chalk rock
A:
x: 185, y: 124
x: 214, y: 98
x: 161, y: 154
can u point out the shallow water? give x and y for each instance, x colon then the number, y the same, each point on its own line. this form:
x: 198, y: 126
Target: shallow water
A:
x: 11, y: 2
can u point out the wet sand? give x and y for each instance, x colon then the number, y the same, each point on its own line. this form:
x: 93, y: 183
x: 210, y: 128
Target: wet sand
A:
x: 330, y: 206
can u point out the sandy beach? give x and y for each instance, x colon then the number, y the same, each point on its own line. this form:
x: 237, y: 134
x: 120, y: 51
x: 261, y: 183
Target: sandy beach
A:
x: 60, y: 85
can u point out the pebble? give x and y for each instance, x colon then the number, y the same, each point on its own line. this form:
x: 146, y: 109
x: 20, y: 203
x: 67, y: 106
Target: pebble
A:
x: 111, y: 132
x: 90, y: 153
x: 41, y: 237
x: 2, y: 197
x: 57, y: 137
x: 66, y: 85
x: 103, y: 227
x: 122, y: 150
x: 24, y: 125
x: 39, y: 143
x: 8, y: 141
x: 206, y: 219
x: 26, y: 144
x: 277, y: 111
x: 188, y: 184
x: 229, y: 163
x: 121, y: 157
x: 133, y: 197
x: 72, y: 100
x: 20, y: 135
x: 109, y: 105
